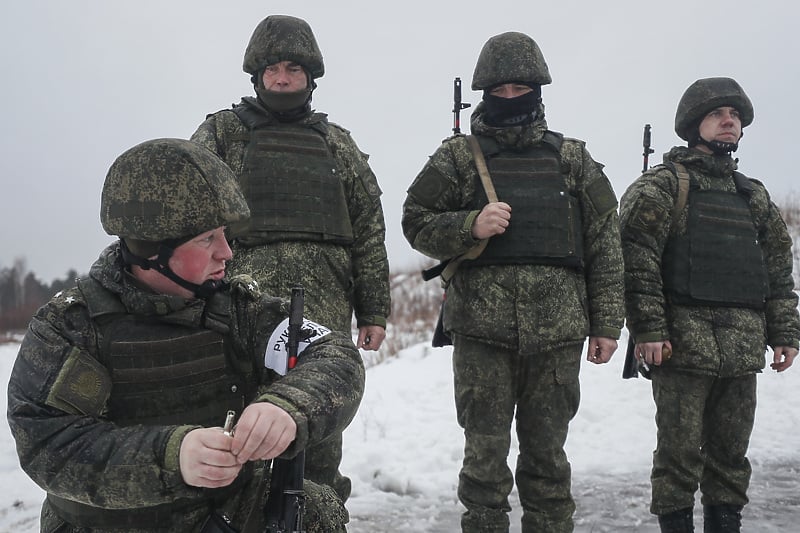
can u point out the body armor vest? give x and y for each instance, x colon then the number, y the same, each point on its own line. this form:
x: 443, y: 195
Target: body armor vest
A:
x: 291, y: 184
x: 545, y: 223
x: 719, y: 260
x: 162, y: 374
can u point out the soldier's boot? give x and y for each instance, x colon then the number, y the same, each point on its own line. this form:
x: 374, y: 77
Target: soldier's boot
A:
x: 679, y: 521
x: 723, y: 518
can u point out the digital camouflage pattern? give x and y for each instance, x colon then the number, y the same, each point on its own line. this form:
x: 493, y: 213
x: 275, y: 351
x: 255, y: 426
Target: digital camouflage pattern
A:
x: 518, y: 329
x: 705, y: 393
x: 338, y: 280
x: 105, y: 465
x: 545, y: 389
x: 721, y: 341
x: 283, y: 38
x: 169, y: 189
x: 530, y: 308
x: 698, y: 445
x: 705, y: 95
x: 510, y: 56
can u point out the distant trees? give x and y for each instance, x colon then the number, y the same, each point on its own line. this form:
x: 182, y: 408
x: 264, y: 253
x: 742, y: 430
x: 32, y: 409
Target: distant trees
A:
x: 21, y: 294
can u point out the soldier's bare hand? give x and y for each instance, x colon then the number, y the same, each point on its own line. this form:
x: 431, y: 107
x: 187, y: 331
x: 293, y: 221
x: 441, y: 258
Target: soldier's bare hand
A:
x: 782, y: 358
x: 654, y: 353
x: 492, y: 220
x: 370, y: 337
x: 264, y: 431
x: 600, y: 349
x: 206, y: 460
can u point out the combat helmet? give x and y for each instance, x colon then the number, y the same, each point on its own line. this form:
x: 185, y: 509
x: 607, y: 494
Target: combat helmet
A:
x: 283, y: 38
x: 510, y: 56
x: 705, y: 95
x: 167, y: 189
x: 163, y: 192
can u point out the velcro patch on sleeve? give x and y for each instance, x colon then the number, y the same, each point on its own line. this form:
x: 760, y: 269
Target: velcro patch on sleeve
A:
x: 602, y: 196
x: 429, y: 186
x: 648, y: 215
x: 82, y: 387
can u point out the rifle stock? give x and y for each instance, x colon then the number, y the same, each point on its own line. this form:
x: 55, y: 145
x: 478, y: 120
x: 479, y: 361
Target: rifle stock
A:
x: 286, y: 500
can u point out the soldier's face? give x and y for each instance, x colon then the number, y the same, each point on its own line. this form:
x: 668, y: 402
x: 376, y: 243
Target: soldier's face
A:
x: 722, y: 124
x: 285, y: 76
x: 510, y: 90
x: 202, y: 258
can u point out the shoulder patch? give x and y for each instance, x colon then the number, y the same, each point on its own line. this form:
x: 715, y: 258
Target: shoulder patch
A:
x: 82, y: 387
x: 601, y: 195
x: 648, y: 215
x: 429, y: 186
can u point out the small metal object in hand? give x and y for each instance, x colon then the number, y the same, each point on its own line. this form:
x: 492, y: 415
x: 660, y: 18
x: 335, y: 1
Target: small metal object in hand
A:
x: 666, y: 353
x: 227, y: 429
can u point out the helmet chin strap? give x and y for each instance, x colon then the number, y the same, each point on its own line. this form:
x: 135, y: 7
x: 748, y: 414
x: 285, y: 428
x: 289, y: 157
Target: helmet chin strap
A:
x: 161, y: 265
x: 718, y: 147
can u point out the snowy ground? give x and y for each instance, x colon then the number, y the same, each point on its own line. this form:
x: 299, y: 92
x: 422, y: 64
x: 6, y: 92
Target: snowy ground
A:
x: 404, y: 449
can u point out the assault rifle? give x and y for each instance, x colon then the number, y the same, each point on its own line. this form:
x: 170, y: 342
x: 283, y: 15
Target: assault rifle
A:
x: 286, y: 501
x: 633, y: 366
x: 457, y: 106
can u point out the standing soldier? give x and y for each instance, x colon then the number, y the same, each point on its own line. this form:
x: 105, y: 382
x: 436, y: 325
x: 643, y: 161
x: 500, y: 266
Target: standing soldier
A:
x: 519, y: 314
x: 121, y: 383
x: 317, y: 219
x: 708, y: 270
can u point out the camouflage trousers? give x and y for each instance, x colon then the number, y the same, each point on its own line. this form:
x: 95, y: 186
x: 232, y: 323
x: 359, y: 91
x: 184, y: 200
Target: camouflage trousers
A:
x: 491, y: 383
x: 704, y: 426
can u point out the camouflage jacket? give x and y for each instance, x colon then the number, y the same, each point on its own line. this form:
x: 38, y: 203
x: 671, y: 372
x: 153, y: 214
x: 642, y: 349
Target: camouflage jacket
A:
x: 725, y: 341
x: 81, y: 455
x: 526, y: 307
x: 337, y: 279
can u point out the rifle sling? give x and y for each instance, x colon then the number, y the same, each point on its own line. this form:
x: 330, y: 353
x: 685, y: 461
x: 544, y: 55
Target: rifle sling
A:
x: 486, y: 180
x: 683, y: 191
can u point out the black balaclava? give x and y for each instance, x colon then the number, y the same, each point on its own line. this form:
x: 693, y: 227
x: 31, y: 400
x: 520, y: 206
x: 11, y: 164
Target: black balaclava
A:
x: 506, y: 112
x: 163, y: 251
x: 287, y: 107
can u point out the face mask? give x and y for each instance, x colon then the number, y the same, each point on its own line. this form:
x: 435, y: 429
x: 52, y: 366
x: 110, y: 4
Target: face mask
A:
x: 281, y: 102
x: 511, y: 111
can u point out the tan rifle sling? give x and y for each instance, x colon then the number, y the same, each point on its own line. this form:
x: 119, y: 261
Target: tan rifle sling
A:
x: 491, y: 194
x: 683, y: 192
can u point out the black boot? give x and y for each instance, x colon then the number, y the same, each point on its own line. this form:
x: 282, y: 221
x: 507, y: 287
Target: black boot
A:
x: 723, y: 518
x: 679, y: 521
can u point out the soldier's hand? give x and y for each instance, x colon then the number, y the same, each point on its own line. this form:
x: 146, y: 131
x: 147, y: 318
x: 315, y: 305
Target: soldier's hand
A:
x: 492, y: 220
x: 206, y: 460
x: 370, y: 337
x: 264, y: 431
x: 654, y: 353
x: 782, y: 357
x: 600, y: 349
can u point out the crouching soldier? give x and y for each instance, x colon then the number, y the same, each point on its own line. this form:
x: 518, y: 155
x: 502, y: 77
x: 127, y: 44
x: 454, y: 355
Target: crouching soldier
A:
x: 121, y: 383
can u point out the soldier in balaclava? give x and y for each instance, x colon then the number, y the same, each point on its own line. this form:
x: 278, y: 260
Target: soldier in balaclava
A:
x: 317, y: 219
x: 708, y: 271
x: 121, y: 383
x: 519, y: 312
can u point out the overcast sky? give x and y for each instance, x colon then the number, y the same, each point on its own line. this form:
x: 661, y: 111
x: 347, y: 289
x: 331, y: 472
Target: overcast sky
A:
x: 82, y: 81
